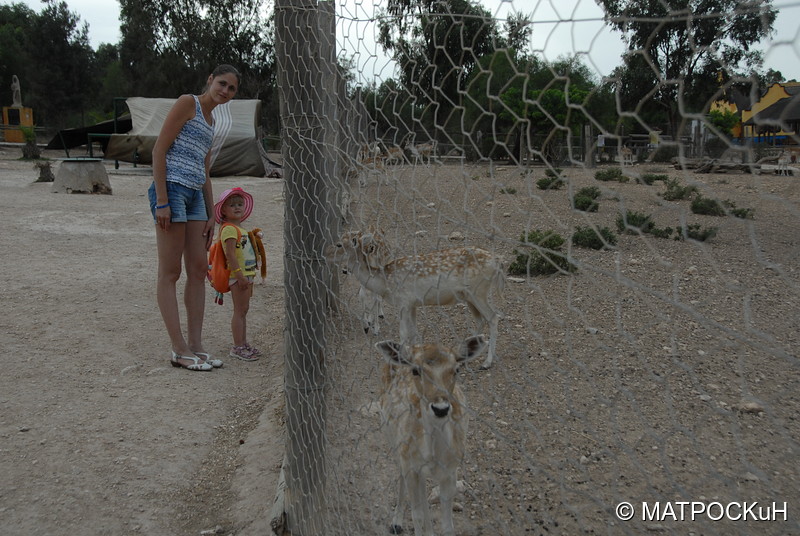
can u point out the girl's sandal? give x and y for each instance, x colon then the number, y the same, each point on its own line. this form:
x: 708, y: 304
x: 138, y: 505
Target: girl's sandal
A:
x: 243, y: 353
x: 197, y: 363
x: 253, y: 350
x: 216, y: 363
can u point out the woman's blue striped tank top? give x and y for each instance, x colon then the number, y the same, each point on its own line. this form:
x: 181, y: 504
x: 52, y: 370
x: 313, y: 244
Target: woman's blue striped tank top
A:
x: 186, y: 156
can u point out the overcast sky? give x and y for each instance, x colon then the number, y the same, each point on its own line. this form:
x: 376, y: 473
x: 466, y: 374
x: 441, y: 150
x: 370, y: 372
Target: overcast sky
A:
x: 580, y: 30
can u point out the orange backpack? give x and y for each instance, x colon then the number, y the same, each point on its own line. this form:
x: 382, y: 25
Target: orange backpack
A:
x: 218, y: 272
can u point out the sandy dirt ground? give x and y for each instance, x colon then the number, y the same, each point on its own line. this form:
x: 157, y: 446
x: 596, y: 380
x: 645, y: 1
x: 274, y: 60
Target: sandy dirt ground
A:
x: 98, y: 433
x: 661, y: 370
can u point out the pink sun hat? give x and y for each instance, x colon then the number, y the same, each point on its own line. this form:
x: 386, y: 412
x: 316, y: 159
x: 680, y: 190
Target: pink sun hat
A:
x: 248, y: 203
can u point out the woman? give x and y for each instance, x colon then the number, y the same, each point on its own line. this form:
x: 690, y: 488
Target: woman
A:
x: 182, y: 204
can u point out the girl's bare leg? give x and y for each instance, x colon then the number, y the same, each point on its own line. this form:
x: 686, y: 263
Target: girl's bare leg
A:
x: 241, y: 305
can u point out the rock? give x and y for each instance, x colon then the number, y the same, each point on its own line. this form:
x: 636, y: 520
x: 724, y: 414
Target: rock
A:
x: 455, y: 236
x: 750, y: 477
x: 81, y: 176
x: 750, y: 406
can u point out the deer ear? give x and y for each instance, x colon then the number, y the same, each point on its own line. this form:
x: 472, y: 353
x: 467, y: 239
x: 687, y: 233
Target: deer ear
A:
x: 472, y: 348
x: 390, y: 349
x: 393, y: 352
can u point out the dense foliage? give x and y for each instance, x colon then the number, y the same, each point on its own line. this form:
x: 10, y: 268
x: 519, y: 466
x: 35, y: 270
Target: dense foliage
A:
x: 465, y: 78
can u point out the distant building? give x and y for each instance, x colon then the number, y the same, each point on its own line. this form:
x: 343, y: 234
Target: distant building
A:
x: 773, y: 118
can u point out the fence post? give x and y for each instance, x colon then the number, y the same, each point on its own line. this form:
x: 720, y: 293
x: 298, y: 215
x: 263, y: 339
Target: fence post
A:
x: 329, y: 89
x: 306, y: 275
x: 589, y: 146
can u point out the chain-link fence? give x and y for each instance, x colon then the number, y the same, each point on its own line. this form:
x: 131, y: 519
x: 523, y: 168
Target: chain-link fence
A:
x: 646, y: 377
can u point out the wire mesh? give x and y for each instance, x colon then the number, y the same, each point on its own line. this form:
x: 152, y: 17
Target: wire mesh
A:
x: 646, y: 353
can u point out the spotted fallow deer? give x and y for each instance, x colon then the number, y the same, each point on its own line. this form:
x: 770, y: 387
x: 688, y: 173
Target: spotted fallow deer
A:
x: 394, y: 155
x: 444, y: 277
x: 379, y: 252
x: 423, y: 413
x: 423, y: 152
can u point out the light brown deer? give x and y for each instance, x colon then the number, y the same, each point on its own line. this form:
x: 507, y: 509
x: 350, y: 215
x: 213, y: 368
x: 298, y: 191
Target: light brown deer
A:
x: 423, y: 412
x: 423, y: 152
x: 394, y: 155
x: 465, y: 274
x: 379, y: 252
x: 626, y: 156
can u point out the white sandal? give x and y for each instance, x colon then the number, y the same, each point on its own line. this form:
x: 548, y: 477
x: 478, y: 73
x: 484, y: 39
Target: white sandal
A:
x: 197, y: 363
x: 216, y: 363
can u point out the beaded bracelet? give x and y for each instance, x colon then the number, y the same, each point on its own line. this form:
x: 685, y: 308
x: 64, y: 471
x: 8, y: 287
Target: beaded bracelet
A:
x: 162, y: 206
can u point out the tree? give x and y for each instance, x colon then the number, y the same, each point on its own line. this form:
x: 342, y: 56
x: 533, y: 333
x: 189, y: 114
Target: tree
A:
x: 436, y: 52
x: 677, y: 48
x: 57, y: 47
x: 724, y: 121
x: 15, y: 22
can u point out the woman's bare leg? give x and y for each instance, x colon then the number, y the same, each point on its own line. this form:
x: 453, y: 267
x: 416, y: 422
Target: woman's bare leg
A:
x: 194, y: 294
x: 170, y: 245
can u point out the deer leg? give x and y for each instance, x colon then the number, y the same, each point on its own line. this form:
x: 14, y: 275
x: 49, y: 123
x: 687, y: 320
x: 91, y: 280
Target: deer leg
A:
x: 447, y: 493
x: 400, y: 510
x: 408, y: 325
x: 484, y: 313
x: 420, y: 513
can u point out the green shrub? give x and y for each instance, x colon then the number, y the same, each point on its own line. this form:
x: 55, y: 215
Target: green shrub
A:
x: 610, y: 174
x: 543, y: 255
x: 634, y: 223
x: 707, y: 206
x: 675, y: 191
x: 587, y: 237
x: 650, y: 178
x: 586, y: 199
x: 550, y: 183
x: 592, y: 192
x: 585, y: 204
x: 743, y: 213
x: 508, y: 190
x: 696, y: 233
x: 554, y: 173
x: 659, y: 232
x: 30, y: 151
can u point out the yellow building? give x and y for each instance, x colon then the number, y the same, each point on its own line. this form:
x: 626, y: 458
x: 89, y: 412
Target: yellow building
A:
x: 773, y: 116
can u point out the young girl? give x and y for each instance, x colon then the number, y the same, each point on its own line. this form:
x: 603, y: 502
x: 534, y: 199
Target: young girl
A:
x: 233, y: 207
x: 180, y: 200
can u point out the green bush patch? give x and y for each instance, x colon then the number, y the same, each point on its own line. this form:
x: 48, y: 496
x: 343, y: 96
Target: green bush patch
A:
x: 550, y: 183
x: 587, y: 237
x: 650, y: 178
x: 610, y: 174
x: 707, y: 206
x: 634, y: 223
x: 675, y: 191
x: 542, y: 255
x: 696, y: 233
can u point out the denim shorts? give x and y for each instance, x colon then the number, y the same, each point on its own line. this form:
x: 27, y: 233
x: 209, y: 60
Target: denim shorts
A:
x: 185, y: 204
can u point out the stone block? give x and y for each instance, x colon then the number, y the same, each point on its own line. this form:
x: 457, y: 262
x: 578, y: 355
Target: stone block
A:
x: 82, y: 176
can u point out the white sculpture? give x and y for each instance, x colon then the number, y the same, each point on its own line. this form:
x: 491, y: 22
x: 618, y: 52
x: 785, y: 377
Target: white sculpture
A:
x: 16, y: 99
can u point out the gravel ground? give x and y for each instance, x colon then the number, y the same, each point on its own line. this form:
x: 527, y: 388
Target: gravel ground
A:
x: 659, y: 371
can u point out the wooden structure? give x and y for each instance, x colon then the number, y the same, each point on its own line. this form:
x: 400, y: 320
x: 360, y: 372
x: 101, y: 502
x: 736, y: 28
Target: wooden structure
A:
x: 13, y: 119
